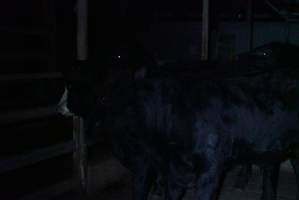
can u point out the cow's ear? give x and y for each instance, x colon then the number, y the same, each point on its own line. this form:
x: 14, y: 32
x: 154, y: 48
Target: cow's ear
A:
x: 140, y: 73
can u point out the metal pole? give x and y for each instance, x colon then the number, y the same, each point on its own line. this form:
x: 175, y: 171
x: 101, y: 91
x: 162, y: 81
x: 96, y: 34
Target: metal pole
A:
x: 80, y: 153
x: 80, y: 160
x: 205, y: 30
x: 82, y: 29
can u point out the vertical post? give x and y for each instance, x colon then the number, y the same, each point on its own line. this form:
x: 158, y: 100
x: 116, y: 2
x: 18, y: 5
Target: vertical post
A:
x: 80, y: 153
x: 82, y: 29
x: 250, y: 20
x: 205, y: 43
x: 80, y: 160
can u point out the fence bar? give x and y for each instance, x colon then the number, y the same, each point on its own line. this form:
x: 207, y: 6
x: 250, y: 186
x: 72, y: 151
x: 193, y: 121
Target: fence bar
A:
x: 34, y: 76
x: 15, y: 116
x: 51, y: 192
x: 36, y: 156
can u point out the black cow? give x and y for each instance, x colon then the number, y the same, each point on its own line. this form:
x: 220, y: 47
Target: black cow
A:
x: 190, y: 126
x: 81, y: 96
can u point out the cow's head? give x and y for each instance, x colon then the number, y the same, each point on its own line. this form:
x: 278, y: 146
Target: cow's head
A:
x: 87, y: 89
x: 87, y: 84
x: 84, y: 87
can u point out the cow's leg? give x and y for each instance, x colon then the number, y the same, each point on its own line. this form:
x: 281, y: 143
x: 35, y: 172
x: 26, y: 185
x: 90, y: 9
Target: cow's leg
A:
x: 208, y: 182
x: 158, y: 186
x: 243, y: 176
x: 142, y: 182
x: 270, y: 181
x: 178, y: 178
x: 175, y: 191
x: 295, y: 164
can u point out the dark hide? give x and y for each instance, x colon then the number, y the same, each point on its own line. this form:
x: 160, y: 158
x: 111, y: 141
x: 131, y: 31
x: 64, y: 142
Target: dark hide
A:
x: 182, y: 127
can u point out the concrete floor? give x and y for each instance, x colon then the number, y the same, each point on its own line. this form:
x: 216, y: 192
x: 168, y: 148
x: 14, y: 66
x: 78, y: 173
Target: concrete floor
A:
x: 110, y: 181
x: 286, y: 188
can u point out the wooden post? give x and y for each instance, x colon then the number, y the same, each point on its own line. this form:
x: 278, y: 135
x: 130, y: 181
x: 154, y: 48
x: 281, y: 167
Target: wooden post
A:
x: 80, y: 153
x: 205, y: 43
x: 250, y: 20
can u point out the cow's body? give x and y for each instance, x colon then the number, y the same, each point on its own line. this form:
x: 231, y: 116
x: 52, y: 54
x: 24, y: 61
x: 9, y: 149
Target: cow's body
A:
x: 254, y: 124
x: 181, y: 127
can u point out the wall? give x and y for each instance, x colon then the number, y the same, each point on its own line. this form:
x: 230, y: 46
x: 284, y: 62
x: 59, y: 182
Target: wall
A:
x: 174, y: 40
x: 181, y: 40
x: 264, y: 32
